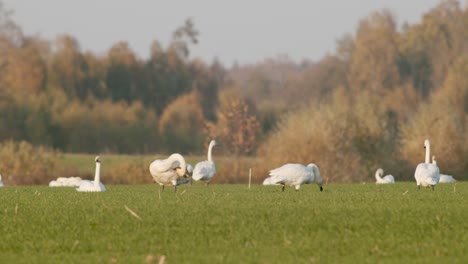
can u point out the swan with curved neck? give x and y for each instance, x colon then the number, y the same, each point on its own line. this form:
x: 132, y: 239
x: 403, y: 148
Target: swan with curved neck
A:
x: 205, y: 170
x: 292, y: 174
x: 427, y: 174
x: 444, y: 178
x: 383, y: 180
x: 170, y: 171
x: 96, y: 185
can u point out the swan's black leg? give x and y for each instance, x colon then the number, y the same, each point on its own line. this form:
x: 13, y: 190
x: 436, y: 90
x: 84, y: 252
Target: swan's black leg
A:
x: 321, y: 189
x: 419, y: 187
x: 175, y: 188
x: 432, y: 187
x: 282, y: 188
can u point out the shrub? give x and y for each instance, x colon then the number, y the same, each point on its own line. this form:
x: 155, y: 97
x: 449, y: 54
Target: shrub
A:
x: 23, y: 164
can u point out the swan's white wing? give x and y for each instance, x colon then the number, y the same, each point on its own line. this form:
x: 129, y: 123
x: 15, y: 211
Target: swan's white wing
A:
x: 389, y: 179
x: 444, y: 178
x: 427, y: 174
x: 289, y: 173
x: 88, y: 186
x: 204, y: 170
x: 163, y: 165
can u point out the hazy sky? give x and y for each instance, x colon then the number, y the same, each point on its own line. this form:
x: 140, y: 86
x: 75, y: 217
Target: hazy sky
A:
x: 245, y: 31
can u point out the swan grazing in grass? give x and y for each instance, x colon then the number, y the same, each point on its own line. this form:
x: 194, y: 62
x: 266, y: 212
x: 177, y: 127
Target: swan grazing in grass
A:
x: 96, y: 185
x: 382, y: 180
x: 1, y: 182
x: 427, y: 174
x: 170, y: 171
x: 296, y: 175
x: 205, y: 170
x: 444, y: 178
x: 65, y: 182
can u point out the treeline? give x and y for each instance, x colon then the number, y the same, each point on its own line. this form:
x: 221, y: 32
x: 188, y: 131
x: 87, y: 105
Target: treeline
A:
x: 370, y: 104
x: 52, y: 93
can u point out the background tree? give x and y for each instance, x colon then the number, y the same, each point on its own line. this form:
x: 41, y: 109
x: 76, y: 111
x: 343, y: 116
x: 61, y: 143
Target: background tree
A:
x: 237, y: 126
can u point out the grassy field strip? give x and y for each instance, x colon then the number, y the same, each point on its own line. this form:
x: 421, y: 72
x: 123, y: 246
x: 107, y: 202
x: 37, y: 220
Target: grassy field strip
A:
x: 347, y: 223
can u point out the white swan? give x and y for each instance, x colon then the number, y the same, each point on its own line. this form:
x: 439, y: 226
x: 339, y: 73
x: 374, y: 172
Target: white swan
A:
x: 1, y: 182
x: 96, y: 185
x: 427, y: 174
x: 65, y: 182
x: 170, y: 171
x: 205, y: 170
x: 386, y: 179
x: 295, y: 175
x: 444, y: 178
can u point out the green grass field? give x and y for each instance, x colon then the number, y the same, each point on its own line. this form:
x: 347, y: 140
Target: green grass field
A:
x: 347, y: 223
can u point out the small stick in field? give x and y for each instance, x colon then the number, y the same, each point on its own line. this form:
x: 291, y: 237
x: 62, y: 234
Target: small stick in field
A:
x: 250, y: 177
x: 132, y: 213
x: 405, y: 192
x: 16, y: 209
x: 75, y: 244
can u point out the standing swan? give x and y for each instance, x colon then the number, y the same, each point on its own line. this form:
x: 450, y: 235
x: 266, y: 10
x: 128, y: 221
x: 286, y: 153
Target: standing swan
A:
x: 170, y: 171
x: 427, y: 174
x: 444, y: 178
x: 96, y: 185
x: 296, y: 175
x: 386, y: 179
x: 205, y: 170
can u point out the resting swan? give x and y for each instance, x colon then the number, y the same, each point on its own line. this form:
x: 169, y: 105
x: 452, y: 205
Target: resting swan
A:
x: 427, y: 174
x: 96, y: 185
x: 205, y: 170
x: 295, y: 175
x: 170, y: 171
x: 384, y: 180
x: 65, y: 182
x: 444, y: 178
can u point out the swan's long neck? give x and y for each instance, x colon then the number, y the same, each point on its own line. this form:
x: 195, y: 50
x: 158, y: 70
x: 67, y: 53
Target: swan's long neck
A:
x: 318, y: 178
x: 378, y: 175
x: 428, y: 152
x: 181, y: 160
x: 210, y: 147
x: 97, y: 174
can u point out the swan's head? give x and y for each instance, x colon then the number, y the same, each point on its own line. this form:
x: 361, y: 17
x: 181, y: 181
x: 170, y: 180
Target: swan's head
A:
x: 189, y: 170
x: 426, y: 143
x: 213, y: 143
x: 97, y: 159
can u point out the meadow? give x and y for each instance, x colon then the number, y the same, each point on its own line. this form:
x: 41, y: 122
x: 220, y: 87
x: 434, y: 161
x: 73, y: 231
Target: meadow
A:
x: 229, y: 223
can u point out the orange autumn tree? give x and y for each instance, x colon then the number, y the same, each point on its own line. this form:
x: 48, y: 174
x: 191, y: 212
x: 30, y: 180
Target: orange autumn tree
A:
x: 237, y: 126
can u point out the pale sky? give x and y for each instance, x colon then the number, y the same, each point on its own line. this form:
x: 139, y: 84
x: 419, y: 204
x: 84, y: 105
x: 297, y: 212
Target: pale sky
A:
x: 246, y: 31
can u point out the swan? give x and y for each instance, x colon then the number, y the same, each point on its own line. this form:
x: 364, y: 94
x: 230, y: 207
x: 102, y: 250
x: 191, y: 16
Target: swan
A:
x: 427, y: 174
x: 1, y: 182
x: 444, y: 178
x: 96, y: 185
x: 170, y: 171
x: 65, y: 182
x: 205, y: 170
x: 292, y: 174
x: 386, y: 179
